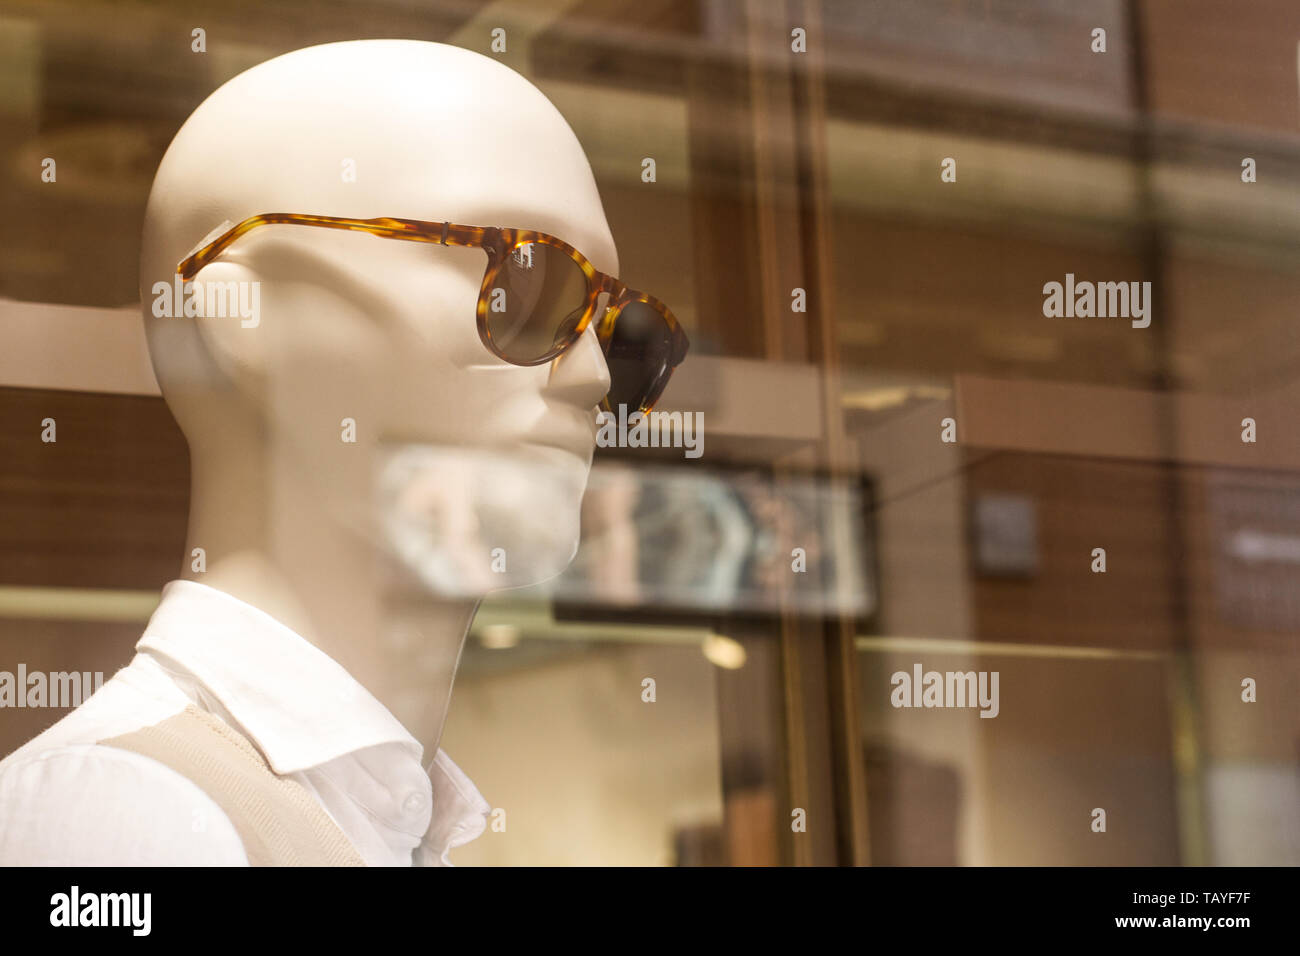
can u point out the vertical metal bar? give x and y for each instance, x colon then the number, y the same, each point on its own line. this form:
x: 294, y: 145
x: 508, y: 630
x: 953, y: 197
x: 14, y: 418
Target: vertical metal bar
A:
x: 817, y: 241
x: 1184, y: 716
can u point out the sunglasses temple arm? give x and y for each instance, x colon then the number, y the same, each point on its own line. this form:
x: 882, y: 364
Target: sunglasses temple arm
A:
x: 186, y: 267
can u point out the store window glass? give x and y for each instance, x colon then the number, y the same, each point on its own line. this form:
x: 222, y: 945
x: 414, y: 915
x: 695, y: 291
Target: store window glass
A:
x: 977, y: 531
x: 1101, y: 528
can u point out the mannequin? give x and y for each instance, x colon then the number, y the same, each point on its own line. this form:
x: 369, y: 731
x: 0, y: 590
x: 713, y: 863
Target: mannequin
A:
x: 466, y: 473
x: 364, y: 469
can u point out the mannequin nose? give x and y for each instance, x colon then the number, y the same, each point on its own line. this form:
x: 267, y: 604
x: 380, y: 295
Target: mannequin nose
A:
x: 580, y: 375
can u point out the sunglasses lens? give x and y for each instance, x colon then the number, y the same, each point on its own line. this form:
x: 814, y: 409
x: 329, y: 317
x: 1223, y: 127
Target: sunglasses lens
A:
x: 535, y: 302
x: 639, y: 356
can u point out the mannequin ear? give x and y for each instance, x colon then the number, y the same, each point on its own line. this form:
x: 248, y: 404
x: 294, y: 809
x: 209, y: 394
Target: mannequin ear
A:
x: 225, y: 302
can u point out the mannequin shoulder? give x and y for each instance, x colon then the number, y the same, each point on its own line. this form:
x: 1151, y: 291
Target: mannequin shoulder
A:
x: 84, y: 804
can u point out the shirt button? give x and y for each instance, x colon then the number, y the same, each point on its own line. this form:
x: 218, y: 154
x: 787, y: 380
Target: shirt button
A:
x: 414, y: 803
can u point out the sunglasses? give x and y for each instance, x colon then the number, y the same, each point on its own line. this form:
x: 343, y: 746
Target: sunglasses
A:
x: 538, y: 296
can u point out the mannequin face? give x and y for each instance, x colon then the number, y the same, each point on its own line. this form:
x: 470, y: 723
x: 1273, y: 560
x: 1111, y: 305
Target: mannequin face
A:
x: 467, y: 454
x: 467, y: 469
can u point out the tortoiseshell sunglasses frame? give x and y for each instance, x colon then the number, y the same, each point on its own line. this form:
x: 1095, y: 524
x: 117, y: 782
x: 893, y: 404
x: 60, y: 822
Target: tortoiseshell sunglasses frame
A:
x: 498, y: 243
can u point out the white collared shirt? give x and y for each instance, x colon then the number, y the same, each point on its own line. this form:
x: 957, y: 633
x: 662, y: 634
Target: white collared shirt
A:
x: 64, y: 800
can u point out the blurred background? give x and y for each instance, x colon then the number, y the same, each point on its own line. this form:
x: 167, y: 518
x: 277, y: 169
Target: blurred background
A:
x: 780, y: 171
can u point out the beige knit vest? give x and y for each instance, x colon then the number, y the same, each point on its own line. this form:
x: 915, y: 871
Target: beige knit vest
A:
x: 278, y: 820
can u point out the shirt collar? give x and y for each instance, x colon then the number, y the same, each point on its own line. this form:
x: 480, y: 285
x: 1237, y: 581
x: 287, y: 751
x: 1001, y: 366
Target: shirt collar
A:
x: 296, y: 704
x: 461, y: 817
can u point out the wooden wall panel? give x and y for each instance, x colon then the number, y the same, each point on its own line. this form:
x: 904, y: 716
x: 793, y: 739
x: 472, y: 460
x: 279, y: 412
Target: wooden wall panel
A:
x: 104, y: 506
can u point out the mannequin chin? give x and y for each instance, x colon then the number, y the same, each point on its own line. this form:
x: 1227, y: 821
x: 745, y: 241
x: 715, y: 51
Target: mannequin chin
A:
x: 467, y: 522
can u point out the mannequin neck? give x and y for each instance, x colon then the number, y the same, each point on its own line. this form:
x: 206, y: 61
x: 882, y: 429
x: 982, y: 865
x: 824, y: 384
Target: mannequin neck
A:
x: 272, y: 545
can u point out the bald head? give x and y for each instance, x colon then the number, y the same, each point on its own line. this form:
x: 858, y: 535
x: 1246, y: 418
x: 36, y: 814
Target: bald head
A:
x: 428, y: 131
x: 399, y: 128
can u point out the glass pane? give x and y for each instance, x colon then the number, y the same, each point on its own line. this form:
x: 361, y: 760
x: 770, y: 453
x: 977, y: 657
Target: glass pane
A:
x: 1072, y: 493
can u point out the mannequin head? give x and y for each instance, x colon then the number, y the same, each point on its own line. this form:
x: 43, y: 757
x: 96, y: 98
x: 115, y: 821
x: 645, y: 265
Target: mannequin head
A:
x: 457, y: 454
